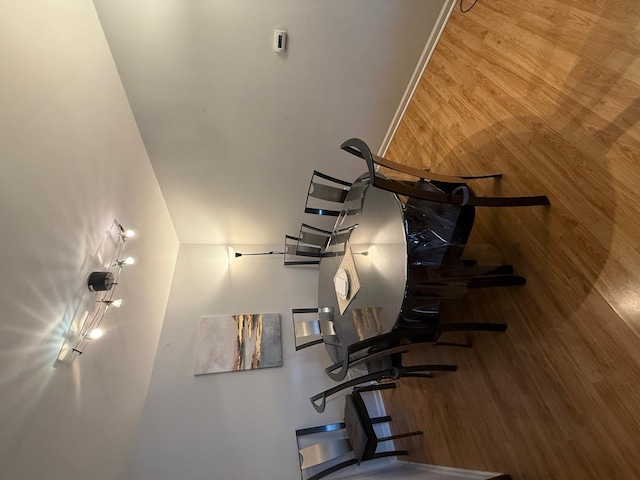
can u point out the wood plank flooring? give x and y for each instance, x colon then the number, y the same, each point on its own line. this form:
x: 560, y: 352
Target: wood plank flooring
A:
x: 547, y: 92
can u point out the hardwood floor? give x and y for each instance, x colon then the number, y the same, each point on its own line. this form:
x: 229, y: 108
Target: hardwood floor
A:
x: 547, y: 92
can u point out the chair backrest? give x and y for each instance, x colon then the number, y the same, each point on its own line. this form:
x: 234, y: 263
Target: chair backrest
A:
x: 310, y: 325
x: 325, y: 194
x: 313, y: 240
x: 295, y: 255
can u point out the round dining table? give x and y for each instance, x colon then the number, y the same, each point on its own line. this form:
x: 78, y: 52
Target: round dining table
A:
x: 384, y: 256
x: 373, y: 254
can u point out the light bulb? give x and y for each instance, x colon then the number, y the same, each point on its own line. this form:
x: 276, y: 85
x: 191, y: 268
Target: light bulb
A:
x: 115, y: 303
x: 126, y: 261
x: 129, y: 234
x: 95, y: 333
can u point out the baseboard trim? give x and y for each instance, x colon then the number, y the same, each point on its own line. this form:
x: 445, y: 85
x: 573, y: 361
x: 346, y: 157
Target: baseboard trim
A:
x: 381, y: 412
x: 455, y: 473
x: 432, y: 41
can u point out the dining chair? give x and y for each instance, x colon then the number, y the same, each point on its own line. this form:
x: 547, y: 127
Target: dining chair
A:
x: 325, y: 194
x: 416, y: 329
x: 312, y: 326
x: 359, y: 440
x: 461, y: 195
x: 385, y: 364
x: 437, y: 236
x: 436, y: 232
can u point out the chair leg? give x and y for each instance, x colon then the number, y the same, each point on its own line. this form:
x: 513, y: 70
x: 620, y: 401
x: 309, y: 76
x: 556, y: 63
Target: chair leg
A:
x: 472, y: 327
x: 500, y: 270
x: 400, y: 435
x: 426, y: 368
x: 385, y: 419
x: 471, y: 177
x: 452, y: 344
x: 418, y: 375
x: 394, y: 453
x: 487, y: 281
x: 536, y: 200
x: 472, y: 268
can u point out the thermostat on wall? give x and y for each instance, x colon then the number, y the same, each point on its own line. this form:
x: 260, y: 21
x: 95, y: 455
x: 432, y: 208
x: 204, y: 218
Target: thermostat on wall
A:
x: 280, y: 41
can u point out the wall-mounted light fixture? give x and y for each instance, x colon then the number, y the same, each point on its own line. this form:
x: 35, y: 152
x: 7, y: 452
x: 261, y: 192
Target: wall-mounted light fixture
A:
x: 102, y: 284
x: 233, y: 254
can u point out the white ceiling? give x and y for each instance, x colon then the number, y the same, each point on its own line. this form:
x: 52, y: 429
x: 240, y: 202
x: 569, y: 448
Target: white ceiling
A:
x: 234, y: 130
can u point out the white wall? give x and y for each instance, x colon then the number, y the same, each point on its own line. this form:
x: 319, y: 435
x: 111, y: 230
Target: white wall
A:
x: 237, y: 425
x: 241, y: 425
x: 226, y: 120
x: 71, y: 159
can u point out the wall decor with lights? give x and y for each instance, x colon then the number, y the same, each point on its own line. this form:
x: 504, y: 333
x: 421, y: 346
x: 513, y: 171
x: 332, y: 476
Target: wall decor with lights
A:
x: 98, y: 293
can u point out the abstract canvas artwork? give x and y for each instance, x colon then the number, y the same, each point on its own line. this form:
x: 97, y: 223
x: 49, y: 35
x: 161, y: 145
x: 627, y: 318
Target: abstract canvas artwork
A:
x: 238, y: 342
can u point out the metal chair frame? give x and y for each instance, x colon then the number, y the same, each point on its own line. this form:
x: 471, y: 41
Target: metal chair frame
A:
x: 338, y: 370
x: 294, y: 255
x: 322, y: 453
x: 313, y: 332
x: 390, y: 361
x: 331, y: 190
x: 460, y: 196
